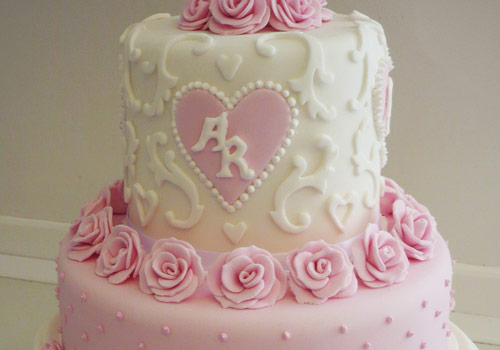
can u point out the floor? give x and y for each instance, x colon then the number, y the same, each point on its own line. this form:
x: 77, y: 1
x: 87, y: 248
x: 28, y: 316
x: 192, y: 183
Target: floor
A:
x: 25, y: 305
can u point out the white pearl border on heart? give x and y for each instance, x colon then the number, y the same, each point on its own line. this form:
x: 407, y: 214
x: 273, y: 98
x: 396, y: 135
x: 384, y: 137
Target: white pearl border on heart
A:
x: 230, y: 103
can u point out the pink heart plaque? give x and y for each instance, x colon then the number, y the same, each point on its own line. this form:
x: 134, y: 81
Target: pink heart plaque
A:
x: 260, y: 119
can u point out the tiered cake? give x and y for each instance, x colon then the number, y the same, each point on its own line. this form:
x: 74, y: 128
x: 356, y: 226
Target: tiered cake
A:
x: 252, y: 213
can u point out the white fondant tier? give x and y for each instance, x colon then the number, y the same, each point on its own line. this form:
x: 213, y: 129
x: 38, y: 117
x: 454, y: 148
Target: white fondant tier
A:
x: 413, y: 314
x: 299, y: 132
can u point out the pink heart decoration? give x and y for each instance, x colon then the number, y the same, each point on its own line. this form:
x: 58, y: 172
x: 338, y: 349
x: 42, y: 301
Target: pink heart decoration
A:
x: 261, y: 119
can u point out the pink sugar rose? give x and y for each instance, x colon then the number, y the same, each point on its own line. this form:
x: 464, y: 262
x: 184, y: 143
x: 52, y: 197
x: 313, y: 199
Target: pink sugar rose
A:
x: 195, y: 15
x: 392, y: 192
x: 234, y: 17
x: 379, y: 259
x: 111, y: 195
x: 121, y: 255
x: 247, y: 278
x: 320, y: 271
x: 295, y: 14
x: 91, y: 234
x: 52, y: 345
x: 114, y: 195
x: 415, y: 230
x: 172, y: 271
x: 92, y: 207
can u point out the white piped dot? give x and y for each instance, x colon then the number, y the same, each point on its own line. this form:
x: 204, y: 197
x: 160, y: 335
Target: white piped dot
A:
x: 244, y: 197
x: 285, y: 93
x: 214, y: 192
x: 295, y: 123
x: 269, y: 168
x: 287, y: 142
x: 291, y: 133
x: 190, y: 85
x: 269, y: 84
x: 197, y: 171
x: 213, y: 90
x: 205, y: 86
x: 231, y: 208
x: 237, y: 96
x: 251, y: 86
x: 263, y: 175
x: 209, y: 184
x: 238, y: 204
x: 259, y: 84
x: 192, y: 164
x: 276, y: 160
x: 281, y: 152
x: 244, y: 90
x: 184, y: 89
x: 295, y: 112
x: 220, y: 199
x: 251, y: 189
x: 292, y: 102
x: 257, y: 183
x: 220, y: 95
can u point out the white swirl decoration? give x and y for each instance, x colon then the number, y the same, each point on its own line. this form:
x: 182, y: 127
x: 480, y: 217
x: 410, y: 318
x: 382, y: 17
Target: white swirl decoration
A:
x: 367, y: 159
x: 130, y: 144
x: 171, y: 172
x: 305, y: 85
x: 156, y: 61
x: 296, y: 181
x: 362, y: 54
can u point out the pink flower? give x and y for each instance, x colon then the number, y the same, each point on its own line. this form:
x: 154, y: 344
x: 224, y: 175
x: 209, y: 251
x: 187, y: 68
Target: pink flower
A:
x: 92, y: 207
x: 295, y: 14
x: 114, y: 196
x: 392, y: 192
x: 247, y: 278
x: 320, y: 271
x: 415, y: 230
x: 52, y: 345
x: 233, y: 17
x: 195, y: 15
x: 172, y: 271
x: 91, y: 234
x: 111, y: 195
x: 121, y: 255
x: 379, y: 259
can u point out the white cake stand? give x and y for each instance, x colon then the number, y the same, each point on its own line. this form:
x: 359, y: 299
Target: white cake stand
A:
x: 457, y: 341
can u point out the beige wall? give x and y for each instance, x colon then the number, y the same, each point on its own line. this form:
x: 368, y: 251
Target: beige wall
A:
x: 59, y: 107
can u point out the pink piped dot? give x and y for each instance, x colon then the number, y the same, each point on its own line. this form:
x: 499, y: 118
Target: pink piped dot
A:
x: 56, y: 260
x: 70, y: 308
x: 423, y: 345
x: 165, y: 330
x: 223, y: 337
x: 83, y: 296
x: 424, y: 304
x: 141, y: 346
x: 65, y: 319
x: 444, y: 325
x: 409, y: 334
x: 367, y: 346
x: 119, y: 315
x: 57, y: 289
x: 447, y: 283
x: 437, y: 313
x: 448, y: 333
x: 84, y: 336
x: 100, y: 328
x: 453, y: 262
x: 343, y: 329
x: 453, y: 291
x: 388, y: 320
x: 286, y: 335
x: 59, y: 330
x: 62, y: 276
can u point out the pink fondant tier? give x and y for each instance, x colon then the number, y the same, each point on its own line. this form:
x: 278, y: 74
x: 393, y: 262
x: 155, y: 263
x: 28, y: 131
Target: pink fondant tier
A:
x: 410, y: 315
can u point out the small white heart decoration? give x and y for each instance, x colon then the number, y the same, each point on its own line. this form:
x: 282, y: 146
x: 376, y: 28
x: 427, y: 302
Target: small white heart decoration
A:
x: 228, y: 65
x: 234, y: 232
x: 347, y: 203
x: 151, y: 199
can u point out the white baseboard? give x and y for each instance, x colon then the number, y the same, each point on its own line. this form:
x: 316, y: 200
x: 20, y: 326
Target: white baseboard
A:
x: 27, y: 248
x: 481, y: 329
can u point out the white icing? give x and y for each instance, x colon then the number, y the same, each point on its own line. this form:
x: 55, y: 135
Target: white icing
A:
x: 171, y: 172
x: 224, y: 146
x: 130, y: 144
x: 367, y: 160
x: 296, y: 181
x: 362, y: 54
x: 165, y: 80
x: 305, y: 85
x: 220, y: 136
x: 228, y: 65
x: 348, y: 203
x: 151, y: 199
x: 234, y: 232
x: 382, y: 103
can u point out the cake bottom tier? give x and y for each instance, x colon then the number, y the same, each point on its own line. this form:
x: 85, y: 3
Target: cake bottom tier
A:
x: 411, y: 315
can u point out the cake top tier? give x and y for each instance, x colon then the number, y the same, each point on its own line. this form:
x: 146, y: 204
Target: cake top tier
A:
x: 274, y: 138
